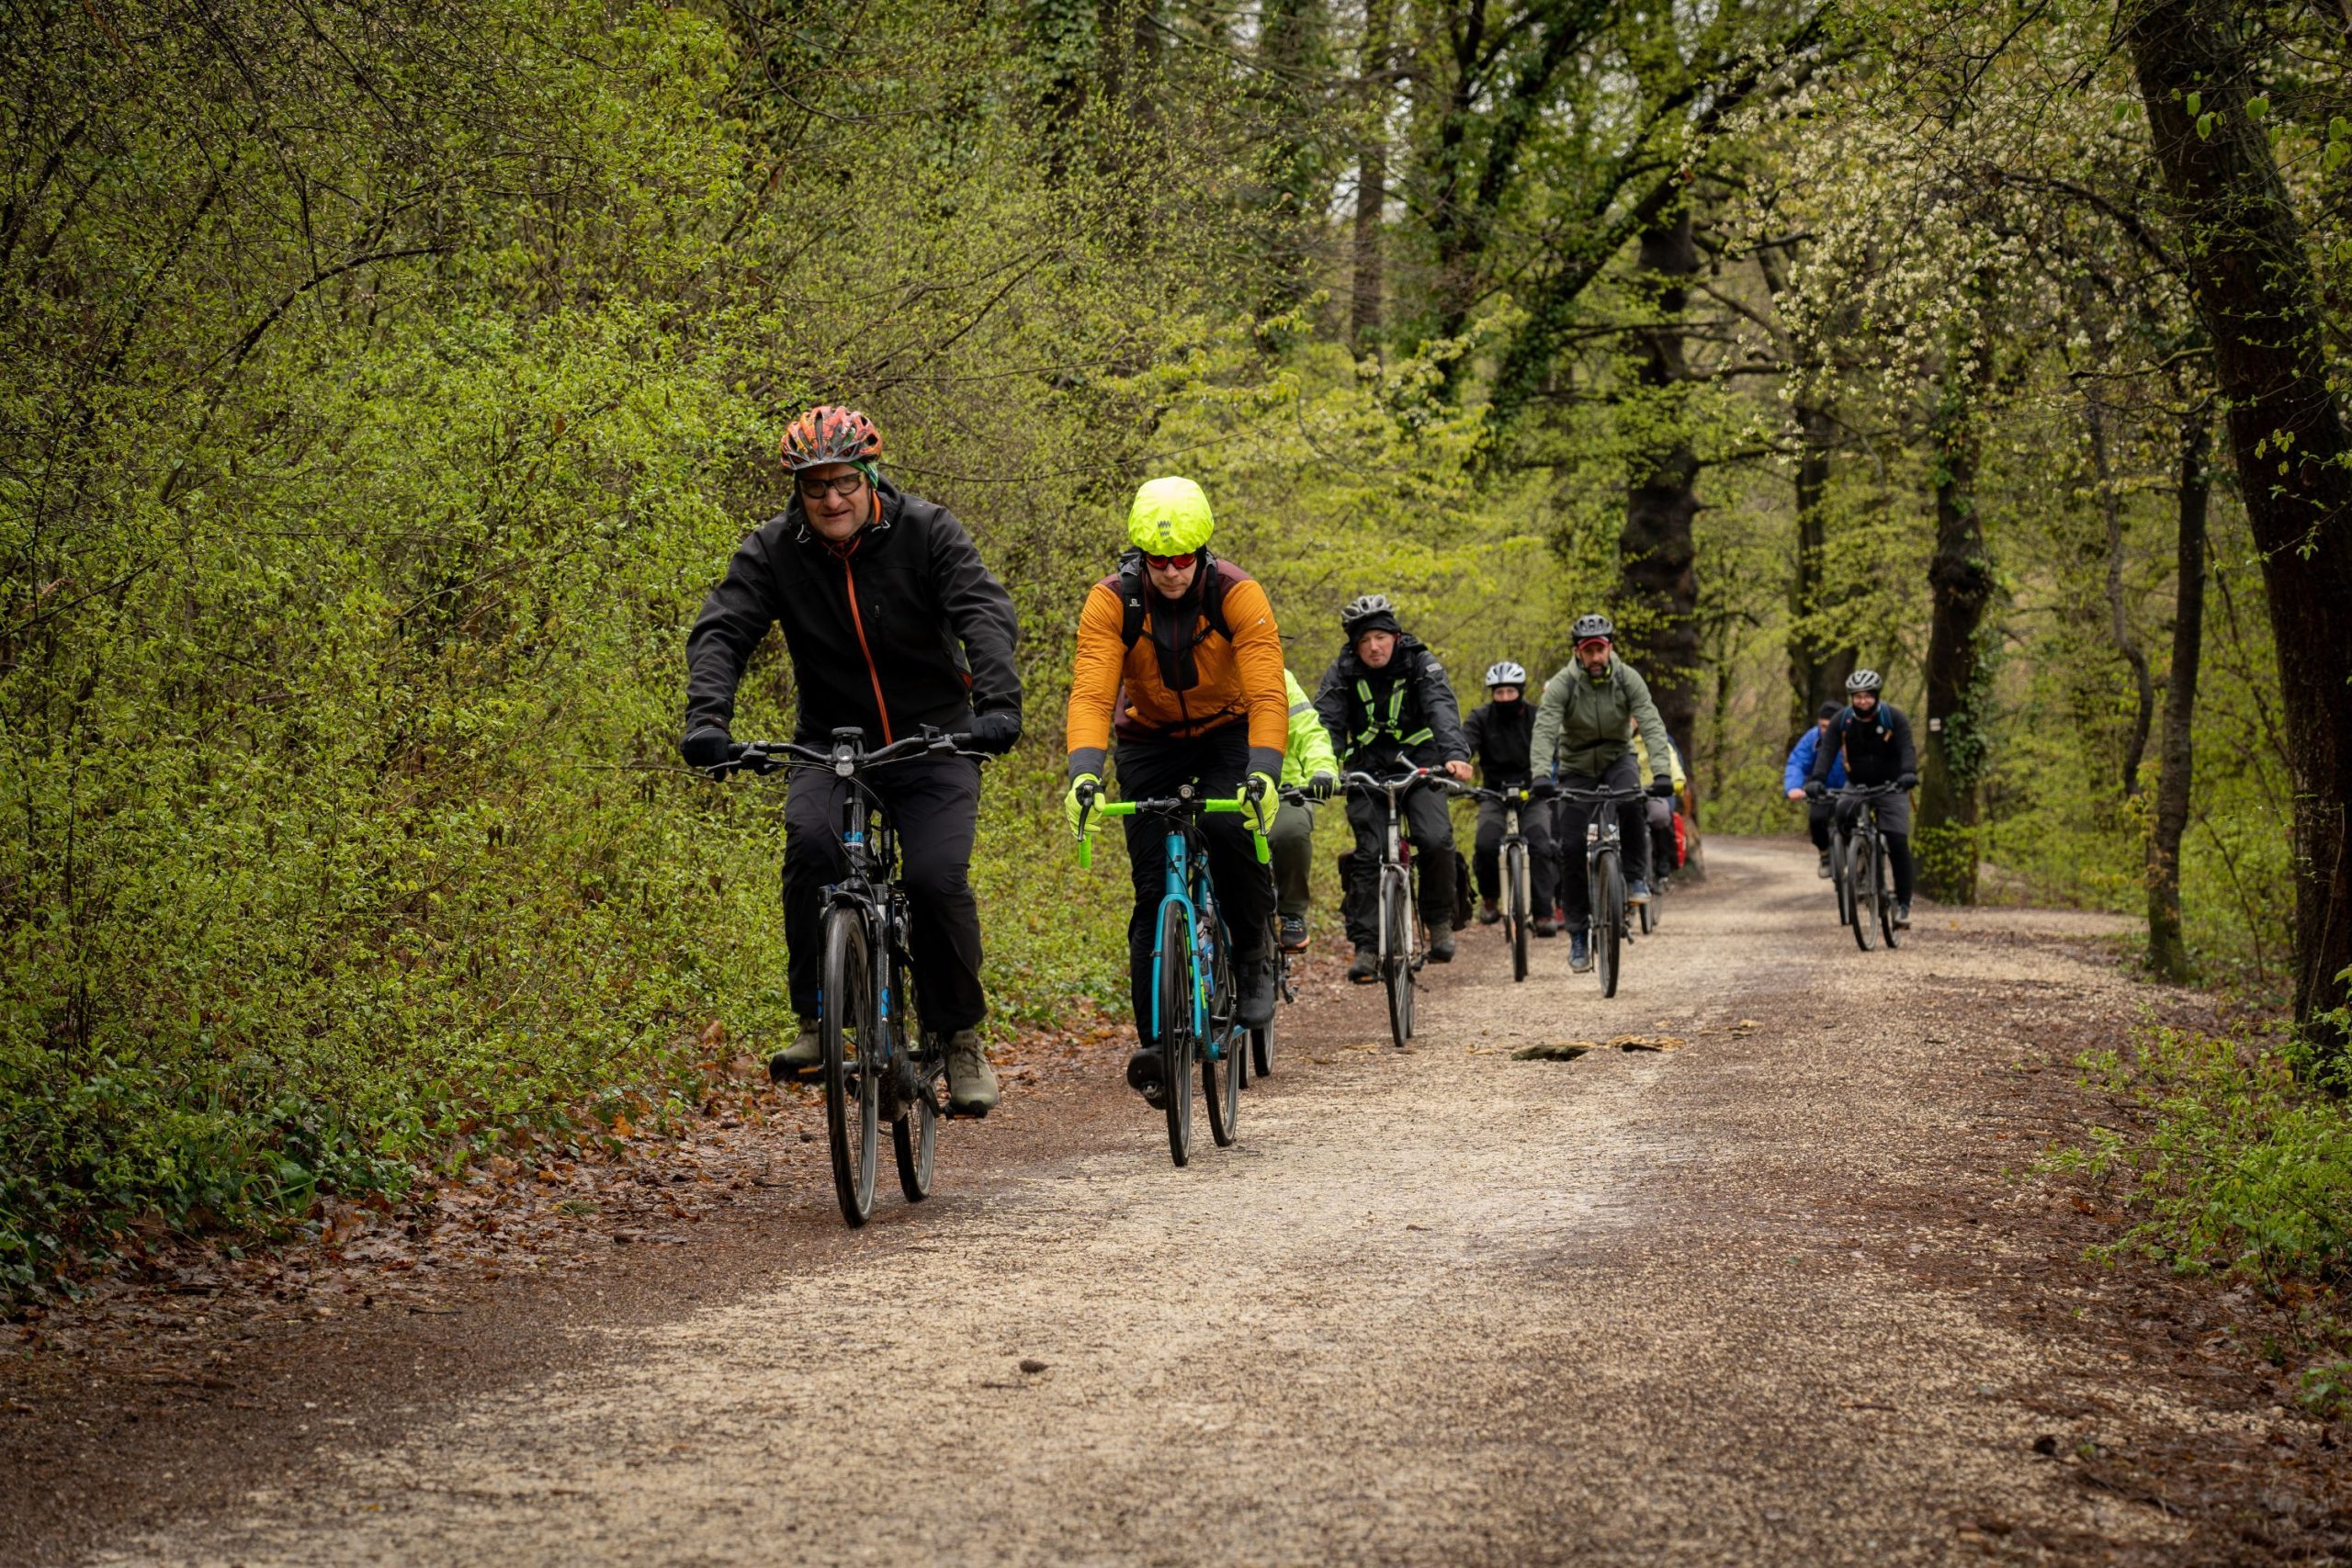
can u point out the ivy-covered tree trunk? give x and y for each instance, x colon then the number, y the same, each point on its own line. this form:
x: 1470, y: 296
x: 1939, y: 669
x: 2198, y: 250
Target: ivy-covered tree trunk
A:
x: 2254, y: 287
x: 2167, y: 952
x: 1951, y: 742
x: 1658, y: 559
x: 1817, y: 665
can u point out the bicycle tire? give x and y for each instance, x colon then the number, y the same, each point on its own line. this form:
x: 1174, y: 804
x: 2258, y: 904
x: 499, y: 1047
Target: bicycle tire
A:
x: 1222, y: 1052
x: 1262, y: 1040
x: 1865, y: 881
x: 1515, y: 906
x: 1838, y: 877
x: 1179, y: 981
x: 1886, y: 929
x: 850, y: 1030
x: 1608, y: 922
x: 1397, y: 967
x: 915, y: 1136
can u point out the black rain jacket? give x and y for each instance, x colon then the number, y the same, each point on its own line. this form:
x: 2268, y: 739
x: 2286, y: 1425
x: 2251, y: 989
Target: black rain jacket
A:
x: 1877, y: 748
x: 1426, y: 730
x: 1499, y: 735
x: 899, y: 628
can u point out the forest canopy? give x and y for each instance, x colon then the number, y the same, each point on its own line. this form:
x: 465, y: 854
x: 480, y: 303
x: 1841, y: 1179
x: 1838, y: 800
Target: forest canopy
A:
x: 385, y: 385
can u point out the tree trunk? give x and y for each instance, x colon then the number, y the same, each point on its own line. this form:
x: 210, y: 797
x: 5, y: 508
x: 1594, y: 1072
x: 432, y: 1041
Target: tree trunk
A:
x: 1658, y: 558
x: 1960, y: 580
x: 2118, y: 625
x: 1364, y: 307
x: 2167, y: 952
x: 1817, y: 666
x: 2255, y: 291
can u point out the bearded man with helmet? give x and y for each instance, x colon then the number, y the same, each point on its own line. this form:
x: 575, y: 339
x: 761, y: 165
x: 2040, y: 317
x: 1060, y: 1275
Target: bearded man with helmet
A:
x: 1389, y: 707
x: 1583, y: 740
x: 1179, y: 664
x: 892, y: 622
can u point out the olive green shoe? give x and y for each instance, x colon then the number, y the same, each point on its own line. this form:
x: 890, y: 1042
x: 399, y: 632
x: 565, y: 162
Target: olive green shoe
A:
x: 971, y: 1082
x: 801, y: 1058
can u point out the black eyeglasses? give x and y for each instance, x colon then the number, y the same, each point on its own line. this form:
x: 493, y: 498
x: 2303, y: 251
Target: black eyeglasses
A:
x: 812, y: 486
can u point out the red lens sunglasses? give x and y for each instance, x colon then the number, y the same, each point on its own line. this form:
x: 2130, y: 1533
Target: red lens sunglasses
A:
x: 1172, y: 563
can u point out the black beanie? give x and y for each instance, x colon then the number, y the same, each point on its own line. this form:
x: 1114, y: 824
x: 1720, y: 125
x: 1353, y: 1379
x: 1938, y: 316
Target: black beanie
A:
x: 1829, y: 710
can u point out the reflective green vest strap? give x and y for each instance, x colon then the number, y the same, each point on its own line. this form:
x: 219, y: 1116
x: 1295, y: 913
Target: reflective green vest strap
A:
x: 1375, y: 727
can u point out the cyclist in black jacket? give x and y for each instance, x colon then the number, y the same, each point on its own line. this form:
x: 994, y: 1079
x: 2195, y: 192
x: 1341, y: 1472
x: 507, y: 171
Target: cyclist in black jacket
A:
x: 892, y: 622
x: 1497, y: 735
x: 1875, y: 740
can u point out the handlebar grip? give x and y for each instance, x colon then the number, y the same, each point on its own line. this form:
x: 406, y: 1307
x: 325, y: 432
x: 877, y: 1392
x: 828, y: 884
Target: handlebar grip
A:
x: 1086, y: 851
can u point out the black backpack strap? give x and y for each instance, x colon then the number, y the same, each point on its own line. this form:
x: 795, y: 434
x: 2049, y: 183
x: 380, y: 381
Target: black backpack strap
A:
x: 1131, y: 601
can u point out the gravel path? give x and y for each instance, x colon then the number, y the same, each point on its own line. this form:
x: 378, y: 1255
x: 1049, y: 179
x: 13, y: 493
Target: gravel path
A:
x: 1441, y: 1306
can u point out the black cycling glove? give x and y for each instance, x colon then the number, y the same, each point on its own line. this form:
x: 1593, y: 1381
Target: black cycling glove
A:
x: 995, y: 730
x: 706, y: 746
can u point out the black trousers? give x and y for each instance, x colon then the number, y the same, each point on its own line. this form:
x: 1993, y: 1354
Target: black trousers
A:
x: 934, y: 803
x: 1633, y: 828
x: 1215, y: 764
x: 1893, y: 814
x: 1429, y: 828
x: 1816, y: 822
x: 1543, y: 856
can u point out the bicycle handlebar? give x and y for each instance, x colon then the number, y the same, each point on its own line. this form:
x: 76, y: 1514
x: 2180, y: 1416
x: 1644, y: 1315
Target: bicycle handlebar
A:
x: 1191, y: 805
x: 1600, y: 797
x: 1864, y: 792
x: 843, y: 759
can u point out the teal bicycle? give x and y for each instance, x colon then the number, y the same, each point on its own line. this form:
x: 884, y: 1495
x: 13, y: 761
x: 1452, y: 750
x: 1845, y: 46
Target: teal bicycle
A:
x: 1196, y: 1006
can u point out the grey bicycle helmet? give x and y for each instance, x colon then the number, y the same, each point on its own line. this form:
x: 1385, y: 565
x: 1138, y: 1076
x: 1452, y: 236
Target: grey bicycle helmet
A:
x: 1864, y: 680
x: 1505, y: 674
x: 1590, y: 626
x: 1368, y: 612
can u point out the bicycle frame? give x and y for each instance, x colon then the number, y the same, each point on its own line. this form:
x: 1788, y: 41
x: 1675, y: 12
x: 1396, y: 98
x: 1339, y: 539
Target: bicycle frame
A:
x: 1397, y: 857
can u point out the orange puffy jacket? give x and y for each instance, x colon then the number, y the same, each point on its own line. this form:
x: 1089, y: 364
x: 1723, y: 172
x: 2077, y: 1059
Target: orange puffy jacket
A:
x: 1233, y: 679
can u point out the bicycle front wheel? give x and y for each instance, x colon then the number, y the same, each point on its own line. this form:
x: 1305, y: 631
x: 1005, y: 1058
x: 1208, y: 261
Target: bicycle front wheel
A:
x: 1396, y: 966
x: 1885, y: 881
x: 1515, y: 906
x: 1178, y: 1037
x: 1608, y: 921
x: 1838, y: 878
x: 1222, y: 1052
x: 1862, y: 877
x: 852, y: 1032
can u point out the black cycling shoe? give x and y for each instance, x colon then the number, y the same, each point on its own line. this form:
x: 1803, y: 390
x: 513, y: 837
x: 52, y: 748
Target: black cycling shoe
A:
x: 1148, y: 1076
x: 1365, y: 965
x: 1294, y: 933
x: 1545, y: 926
x: 1257, y: 994
x: 1488, y: 912
x: 1440, y: 946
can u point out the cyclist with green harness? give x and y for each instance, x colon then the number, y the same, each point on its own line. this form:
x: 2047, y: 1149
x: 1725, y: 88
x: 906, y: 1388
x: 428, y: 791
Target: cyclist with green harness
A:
x: 1389, y: 709
x: 1310, y: 765
x: 1582, y: 741
x: 1178, y: 661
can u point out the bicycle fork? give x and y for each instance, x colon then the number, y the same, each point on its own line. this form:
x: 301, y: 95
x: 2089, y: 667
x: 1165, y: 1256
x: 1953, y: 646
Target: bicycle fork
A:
x: 1179, y: 893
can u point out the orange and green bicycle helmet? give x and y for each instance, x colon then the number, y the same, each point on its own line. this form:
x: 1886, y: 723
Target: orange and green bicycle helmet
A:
x: 830, y: 434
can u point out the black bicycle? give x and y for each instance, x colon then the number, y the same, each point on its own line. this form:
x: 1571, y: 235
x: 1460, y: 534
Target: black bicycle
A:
x: 1607, y: 917
x: 1403, y: 943
x: 1259, y: 1061
x: 1865, y: 879
x: 875, y: 1069
x: 1517, y: 884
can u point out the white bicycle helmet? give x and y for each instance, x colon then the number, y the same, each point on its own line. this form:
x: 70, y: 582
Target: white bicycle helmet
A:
x: 1505, y: 674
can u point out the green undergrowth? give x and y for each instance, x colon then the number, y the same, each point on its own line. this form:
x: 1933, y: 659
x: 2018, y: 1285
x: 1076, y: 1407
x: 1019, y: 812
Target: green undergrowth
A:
x: 2233, y: 1161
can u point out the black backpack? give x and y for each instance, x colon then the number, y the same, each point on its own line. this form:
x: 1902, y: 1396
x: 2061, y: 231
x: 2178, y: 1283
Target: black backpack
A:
x: 1129, y: 585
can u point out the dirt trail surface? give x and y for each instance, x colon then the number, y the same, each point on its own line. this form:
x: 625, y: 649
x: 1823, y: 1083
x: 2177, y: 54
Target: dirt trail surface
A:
x: 1774, y: 1294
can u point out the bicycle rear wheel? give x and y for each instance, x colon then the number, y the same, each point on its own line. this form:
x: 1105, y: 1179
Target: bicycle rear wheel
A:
x: 1862, y: 877
x: 1222, y: 1052
x: 1179, y: 1041
x: 1515, y: 906
x: 915, y: 1136
x: 1885, y: 881
x: 852, y: 1032
x: 1608, y: 921
x: 1262, y: 1040
x: 1396, y: 966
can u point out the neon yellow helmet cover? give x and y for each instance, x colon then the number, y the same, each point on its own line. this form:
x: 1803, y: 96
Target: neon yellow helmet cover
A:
x: 1171, y: 517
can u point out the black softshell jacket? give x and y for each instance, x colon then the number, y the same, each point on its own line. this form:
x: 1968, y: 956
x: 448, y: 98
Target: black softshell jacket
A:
x: 1878, y: 748
x: 1499, y: 735
x: 903, y: 626
x: 1429, y: 705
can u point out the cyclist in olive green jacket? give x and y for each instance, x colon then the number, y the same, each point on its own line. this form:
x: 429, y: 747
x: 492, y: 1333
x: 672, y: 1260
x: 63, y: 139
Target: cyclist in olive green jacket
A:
x: 1582, y: 729
x: 1308, y: 764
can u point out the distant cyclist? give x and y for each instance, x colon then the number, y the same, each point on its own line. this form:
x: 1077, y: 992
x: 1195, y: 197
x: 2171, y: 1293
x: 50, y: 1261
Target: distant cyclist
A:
x: 1178, y: 659
x: 1665, y: 853
x: 1497, y: 734
x: 1389, y: 707
x: 1800, y: 766
x: 1589, y: 711
x: 1310, y: 765
x: 1874, y: 740
x: 892, y: 622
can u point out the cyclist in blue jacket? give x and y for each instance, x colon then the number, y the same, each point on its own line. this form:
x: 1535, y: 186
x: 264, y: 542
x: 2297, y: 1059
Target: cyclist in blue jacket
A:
x: 1793, y: 777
